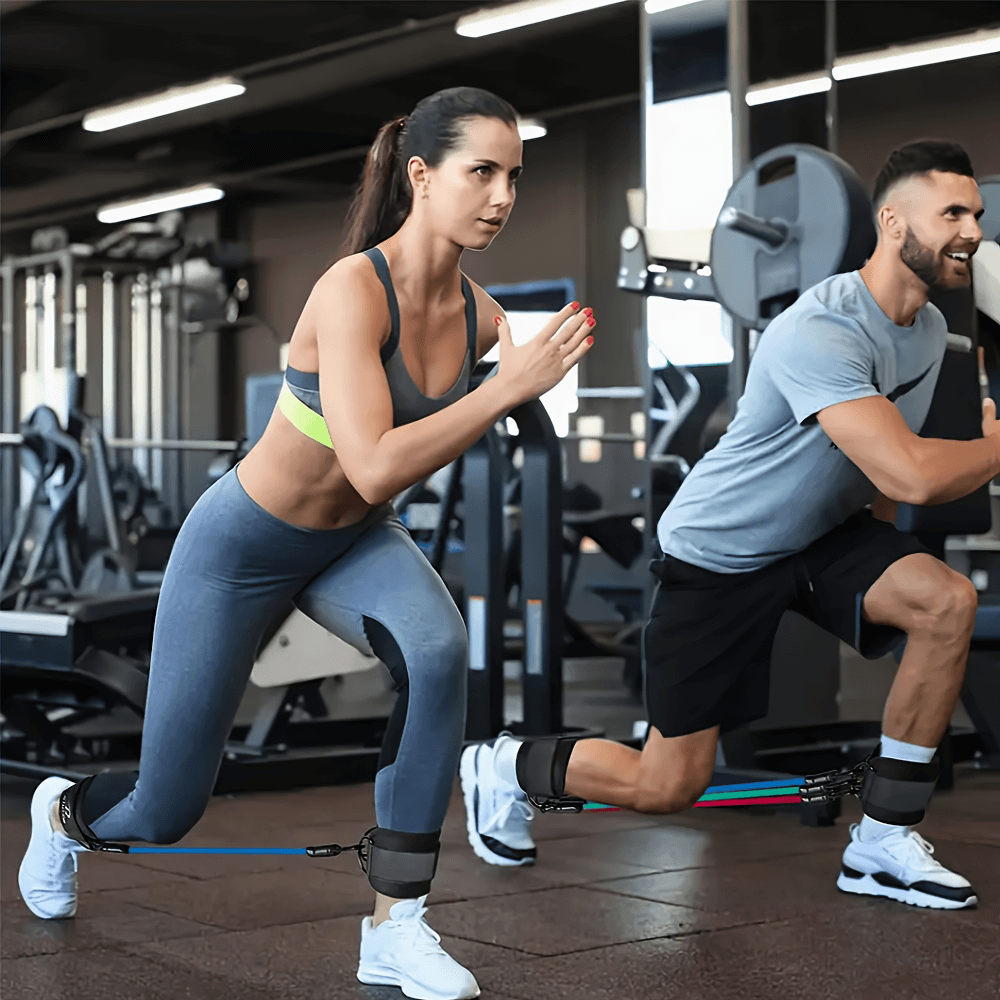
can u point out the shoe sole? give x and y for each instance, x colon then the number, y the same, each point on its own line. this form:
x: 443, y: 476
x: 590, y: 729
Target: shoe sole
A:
x: 468, y: 775
x: 41, y: 801
x: 415, y: 991
x: 867, y: 886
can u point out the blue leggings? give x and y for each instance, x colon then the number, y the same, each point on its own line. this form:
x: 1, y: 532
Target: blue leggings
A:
x: 233, y: 568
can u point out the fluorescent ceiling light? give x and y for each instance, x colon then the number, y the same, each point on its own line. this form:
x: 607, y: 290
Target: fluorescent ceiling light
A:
x: 656, y: 6
x: 153, y: 204
x: 979, y: 43
x: 782, y: 90
x: 167, y: 102
x: 517, y: 15
x: 531, y: 128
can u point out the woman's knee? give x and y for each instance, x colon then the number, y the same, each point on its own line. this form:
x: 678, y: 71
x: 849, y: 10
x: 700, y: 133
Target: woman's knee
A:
x: 166, y: 824
x: 445, y: 650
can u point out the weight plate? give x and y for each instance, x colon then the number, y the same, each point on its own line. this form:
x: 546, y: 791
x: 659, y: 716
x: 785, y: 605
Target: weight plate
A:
x: 823, y: 203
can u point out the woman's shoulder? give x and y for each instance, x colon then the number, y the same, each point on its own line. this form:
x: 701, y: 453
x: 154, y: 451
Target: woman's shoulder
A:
x: 350, y: 296
x: 351, y: 277
x: 352, y: 268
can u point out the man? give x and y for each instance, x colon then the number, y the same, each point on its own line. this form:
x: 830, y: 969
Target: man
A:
x: 776, y: 516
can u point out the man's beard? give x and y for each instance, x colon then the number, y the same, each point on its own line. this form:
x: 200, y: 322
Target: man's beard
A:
x: 920, y: 259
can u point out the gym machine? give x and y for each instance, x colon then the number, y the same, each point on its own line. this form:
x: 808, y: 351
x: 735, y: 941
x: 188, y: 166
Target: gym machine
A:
x: 77, y: 611
x: 796, y: 216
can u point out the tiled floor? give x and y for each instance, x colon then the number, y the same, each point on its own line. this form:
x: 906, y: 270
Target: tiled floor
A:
x: 707, y: 904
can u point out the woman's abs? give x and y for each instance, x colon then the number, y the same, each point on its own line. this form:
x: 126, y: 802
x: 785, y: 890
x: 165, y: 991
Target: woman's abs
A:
x: 298, y: 480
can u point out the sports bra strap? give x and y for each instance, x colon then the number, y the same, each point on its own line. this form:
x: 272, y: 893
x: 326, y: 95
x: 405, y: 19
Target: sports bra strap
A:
x: 382, y: 270
x: 470, y: 319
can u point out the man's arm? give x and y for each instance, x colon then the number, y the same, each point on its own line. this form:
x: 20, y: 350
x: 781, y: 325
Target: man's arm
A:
x: 907, y: 468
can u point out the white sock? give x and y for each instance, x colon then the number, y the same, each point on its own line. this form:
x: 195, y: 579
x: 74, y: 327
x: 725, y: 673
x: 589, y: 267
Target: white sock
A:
x: 907, y: 751
x: 505, y: 759
x: 872, y: 829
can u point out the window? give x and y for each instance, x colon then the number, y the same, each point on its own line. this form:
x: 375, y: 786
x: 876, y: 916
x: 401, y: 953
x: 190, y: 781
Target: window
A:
x: 688, y: 173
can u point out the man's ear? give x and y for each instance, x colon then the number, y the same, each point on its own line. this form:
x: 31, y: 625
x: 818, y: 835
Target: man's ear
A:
x: 890, y: 222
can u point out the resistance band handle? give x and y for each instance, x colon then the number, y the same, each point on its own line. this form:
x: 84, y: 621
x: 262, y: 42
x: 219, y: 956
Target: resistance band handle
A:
x: 331, y: 850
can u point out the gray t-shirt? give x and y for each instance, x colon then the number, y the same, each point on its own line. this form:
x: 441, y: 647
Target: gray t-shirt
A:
x: 775, y: 482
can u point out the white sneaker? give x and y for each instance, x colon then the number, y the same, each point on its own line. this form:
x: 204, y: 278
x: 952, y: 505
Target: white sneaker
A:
x: 498, y: 815
x: 900, y: 866
x: 47, y: 876
x: 403, y: 951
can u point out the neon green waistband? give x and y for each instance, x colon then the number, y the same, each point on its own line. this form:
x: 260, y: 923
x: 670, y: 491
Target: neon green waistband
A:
x: 301, y: 417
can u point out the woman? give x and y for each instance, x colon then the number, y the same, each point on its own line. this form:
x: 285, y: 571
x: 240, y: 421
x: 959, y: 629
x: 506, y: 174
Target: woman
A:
x: 375, y: 399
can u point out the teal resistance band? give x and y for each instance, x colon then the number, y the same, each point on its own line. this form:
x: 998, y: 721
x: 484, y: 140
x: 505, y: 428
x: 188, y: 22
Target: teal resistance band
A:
x: 786, y: 791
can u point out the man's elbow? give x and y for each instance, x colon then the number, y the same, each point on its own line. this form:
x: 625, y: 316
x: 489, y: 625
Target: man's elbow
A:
x: 921, y: 495
x: 919, y: 488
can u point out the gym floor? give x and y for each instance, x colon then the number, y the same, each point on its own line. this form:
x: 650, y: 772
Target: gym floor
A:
x: 707, y: 904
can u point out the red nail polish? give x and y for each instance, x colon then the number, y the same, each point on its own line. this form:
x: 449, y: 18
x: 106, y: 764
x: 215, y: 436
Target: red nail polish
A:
x: 588, y: 312
x: 592, y: 322
x: 496, y: 320
x: 590, y: 340
x: 574, y: 305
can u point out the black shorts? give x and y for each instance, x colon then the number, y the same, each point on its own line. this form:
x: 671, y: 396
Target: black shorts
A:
x: 707, y: 646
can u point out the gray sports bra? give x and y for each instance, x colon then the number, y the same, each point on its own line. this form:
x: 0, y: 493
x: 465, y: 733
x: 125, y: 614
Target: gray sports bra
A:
x: 408, y: 402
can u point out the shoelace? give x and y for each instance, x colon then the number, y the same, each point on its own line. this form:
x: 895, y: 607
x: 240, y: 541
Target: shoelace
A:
x: 426, y: 940
x: 913, y: 850
x: 921, y: 851
x: 513, y: 806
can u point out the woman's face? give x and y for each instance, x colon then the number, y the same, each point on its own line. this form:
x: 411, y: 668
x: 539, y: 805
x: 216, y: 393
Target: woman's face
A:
x: 470, y: 194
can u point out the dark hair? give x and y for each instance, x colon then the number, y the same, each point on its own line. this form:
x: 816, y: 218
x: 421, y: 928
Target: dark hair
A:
x: 919, y: 158
x: 431, y: 130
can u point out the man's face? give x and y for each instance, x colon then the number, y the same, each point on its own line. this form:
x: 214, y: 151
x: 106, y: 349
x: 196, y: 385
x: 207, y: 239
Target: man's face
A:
x: 940, y: 212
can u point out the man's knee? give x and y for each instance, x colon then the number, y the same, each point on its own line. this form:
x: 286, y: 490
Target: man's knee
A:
x: 670, y: 795
x: 949, y: 612
x: 924, y: 597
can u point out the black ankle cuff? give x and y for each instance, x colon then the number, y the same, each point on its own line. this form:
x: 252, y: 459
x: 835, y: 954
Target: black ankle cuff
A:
x: 71, y: 817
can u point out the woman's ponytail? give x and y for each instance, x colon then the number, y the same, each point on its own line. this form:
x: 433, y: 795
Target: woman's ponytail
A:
x: 382, y: 200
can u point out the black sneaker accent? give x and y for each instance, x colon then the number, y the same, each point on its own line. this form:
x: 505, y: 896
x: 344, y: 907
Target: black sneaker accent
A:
x: 850, y: 872
x: 890, y: 881
x: 513, y: 853
x: 496, y: 846
x: 958, y: 894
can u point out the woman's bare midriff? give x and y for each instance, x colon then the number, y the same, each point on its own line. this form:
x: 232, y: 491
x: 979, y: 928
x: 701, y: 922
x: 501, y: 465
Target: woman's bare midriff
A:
x: 299, y: 480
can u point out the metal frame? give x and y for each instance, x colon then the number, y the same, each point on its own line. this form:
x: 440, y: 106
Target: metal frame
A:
x: 541, y: 577
x: 52, y: 324
x: 739, y: 65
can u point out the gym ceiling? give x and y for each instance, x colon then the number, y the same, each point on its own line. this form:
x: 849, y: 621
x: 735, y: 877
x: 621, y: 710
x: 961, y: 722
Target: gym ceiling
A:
x: 322, y: 76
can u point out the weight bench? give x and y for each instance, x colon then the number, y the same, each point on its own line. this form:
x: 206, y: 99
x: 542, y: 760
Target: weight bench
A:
x: 75, y: 661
